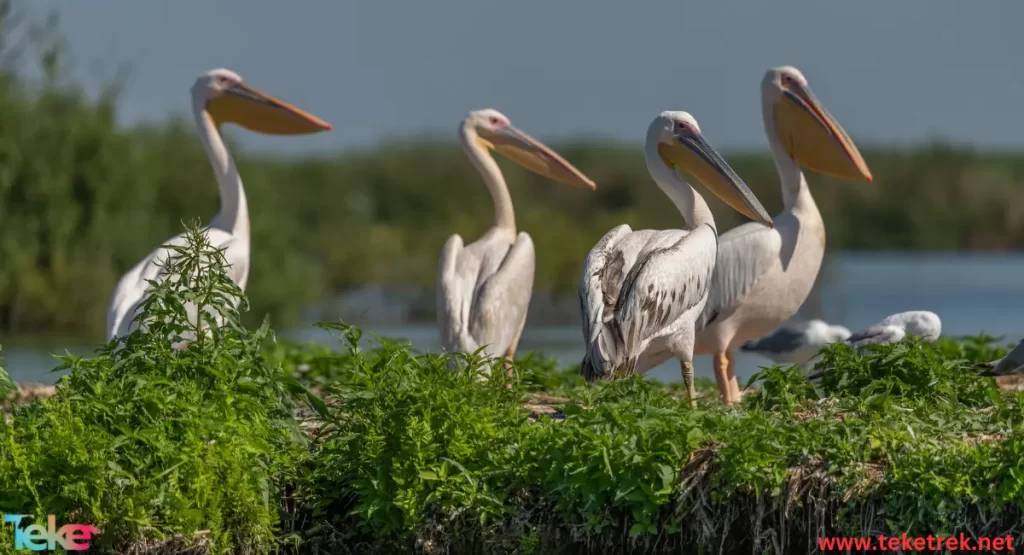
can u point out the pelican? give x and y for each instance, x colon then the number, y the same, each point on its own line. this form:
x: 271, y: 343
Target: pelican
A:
x: 218, y: 97
x: 642, y: 291
x: 484, y: 288
x: 796, y: 342
x: 763, y: 275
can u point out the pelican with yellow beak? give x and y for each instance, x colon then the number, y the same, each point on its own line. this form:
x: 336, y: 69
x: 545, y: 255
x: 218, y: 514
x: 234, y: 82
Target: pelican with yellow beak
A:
x: 764, y: 275
x: 218, y: 97
x: 642, y: 291
x: 484, y: 288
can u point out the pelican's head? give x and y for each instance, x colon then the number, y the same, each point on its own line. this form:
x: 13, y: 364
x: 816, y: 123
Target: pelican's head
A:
x: 229, y: 100
x: 808, y: 133
x: 495, y: 132
x: 681, y: 145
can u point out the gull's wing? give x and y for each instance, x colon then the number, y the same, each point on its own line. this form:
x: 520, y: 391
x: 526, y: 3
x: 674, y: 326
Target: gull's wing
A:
x: 877, y: 335
x: 782, y: 340
x: 1012, y: 363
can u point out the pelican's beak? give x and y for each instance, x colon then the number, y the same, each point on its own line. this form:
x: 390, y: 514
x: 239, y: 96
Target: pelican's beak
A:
x: 692, y: 154
x: 260, y: 112
x: 534, y: 156
x: 814, y: 138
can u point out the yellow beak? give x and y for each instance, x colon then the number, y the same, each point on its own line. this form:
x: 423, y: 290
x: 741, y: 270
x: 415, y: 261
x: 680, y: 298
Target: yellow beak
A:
x: 814, y: 138
x: 535, y: 156
x: 692, y: 154
x: 260, y: 112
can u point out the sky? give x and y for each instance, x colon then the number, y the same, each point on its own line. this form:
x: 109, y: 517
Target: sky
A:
x: 893, y: 72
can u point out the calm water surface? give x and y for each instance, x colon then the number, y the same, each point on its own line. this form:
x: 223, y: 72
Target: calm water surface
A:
x: 971, y: 293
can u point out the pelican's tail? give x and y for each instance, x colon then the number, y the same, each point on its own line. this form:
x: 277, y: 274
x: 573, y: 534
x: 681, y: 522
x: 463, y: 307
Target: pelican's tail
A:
x: 604, y: 359
x: 595, y: 365
x: 588, y: 370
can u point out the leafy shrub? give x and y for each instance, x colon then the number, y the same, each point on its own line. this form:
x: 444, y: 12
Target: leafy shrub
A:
x: 149, y: 440
x: 905, y: 437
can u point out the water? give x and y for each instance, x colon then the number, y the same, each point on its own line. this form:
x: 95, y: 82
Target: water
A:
x: 971, y: 293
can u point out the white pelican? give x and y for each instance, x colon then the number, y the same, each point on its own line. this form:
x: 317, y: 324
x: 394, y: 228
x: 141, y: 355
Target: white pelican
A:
x: 796, y: 342
x: 642, y: 291
x: 484, y: 288
x: 218, y: 97
x: 1012, y: 363
x: 894, y: 328
x: 764, y: 275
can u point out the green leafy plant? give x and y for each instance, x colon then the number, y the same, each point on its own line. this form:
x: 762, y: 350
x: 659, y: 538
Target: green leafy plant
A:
x: 155, y: 441
x: 416, y: 456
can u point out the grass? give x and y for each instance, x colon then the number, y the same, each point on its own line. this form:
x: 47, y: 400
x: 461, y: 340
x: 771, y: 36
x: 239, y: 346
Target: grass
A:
x: 241, y: 444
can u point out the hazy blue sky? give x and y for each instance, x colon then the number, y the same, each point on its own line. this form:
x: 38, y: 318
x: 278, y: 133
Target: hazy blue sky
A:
x: 891, y: 71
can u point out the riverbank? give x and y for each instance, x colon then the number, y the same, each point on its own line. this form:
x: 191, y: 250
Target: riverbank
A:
x: 401, y: 454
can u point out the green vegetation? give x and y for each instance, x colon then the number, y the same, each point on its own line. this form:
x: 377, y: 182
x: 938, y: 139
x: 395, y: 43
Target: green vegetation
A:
x: 146, y: 440
x: 238, y: 444
x: 82, y: 199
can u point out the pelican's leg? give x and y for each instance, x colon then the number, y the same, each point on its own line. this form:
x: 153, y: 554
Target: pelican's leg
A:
x: 687, y: 369
x: 511, y: 352
x: 734, y: 386
x: 722, y: 376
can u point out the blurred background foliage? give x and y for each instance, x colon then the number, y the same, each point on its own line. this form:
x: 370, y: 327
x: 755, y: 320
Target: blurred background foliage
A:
x: 83, y: 198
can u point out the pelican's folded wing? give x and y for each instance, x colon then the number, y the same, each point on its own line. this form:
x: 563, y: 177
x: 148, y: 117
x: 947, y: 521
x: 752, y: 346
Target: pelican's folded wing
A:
x: 745, y: 254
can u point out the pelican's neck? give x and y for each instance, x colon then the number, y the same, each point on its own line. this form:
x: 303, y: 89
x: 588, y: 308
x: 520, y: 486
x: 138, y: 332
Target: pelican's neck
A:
x: 796, y: 196
x: 689, y: 203
x: 504, y: 215
x: 233, y: 216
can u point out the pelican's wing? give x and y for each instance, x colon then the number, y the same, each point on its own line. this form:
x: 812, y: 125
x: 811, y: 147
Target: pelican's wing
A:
x: 603, y: 273
x: 503, y: 298
x: 745, y: 253
x: 131, y: 289
x: 235, y: 255
x: 1012, y: 363
x: 454, y: 294
x: 129, y: 292
x: 665, y: 282
x: 877, y: 334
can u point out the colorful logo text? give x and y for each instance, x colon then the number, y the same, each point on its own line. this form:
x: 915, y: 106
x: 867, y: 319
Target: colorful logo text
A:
x: 34, y: 537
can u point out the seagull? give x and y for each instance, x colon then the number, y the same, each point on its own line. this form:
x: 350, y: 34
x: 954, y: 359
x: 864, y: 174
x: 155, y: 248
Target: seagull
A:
x: 796, y: 342
x: 1012, y: 363
x: 893, y: 329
